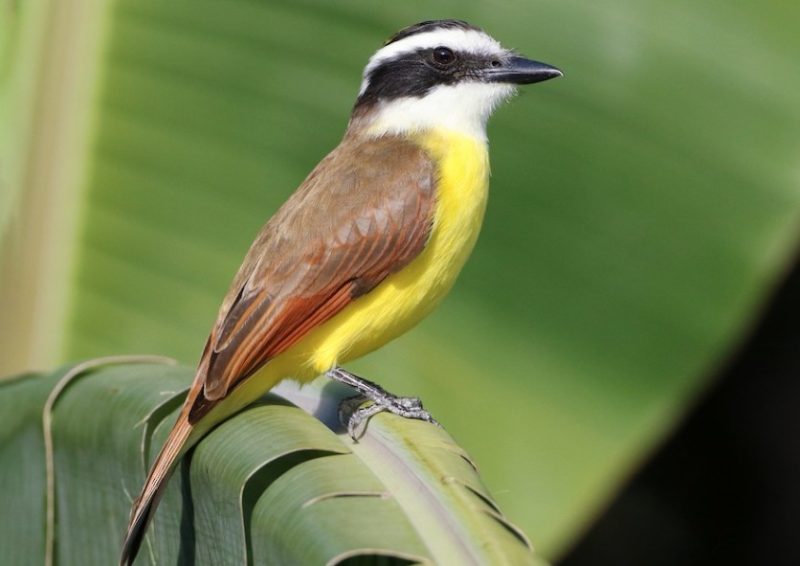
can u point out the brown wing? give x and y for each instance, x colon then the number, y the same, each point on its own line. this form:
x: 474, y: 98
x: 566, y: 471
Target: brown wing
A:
x: 362, y: 214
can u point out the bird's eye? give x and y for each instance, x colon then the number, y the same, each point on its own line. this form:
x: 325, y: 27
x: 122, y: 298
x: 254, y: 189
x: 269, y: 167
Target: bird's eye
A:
x: 443, y: 55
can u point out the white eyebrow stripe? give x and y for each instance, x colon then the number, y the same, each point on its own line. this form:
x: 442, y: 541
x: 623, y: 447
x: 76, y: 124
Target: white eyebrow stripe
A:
x: 469, y: 40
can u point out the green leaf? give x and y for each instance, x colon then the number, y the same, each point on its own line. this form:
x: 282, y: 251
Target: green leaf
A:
x: 101, y: 427
x: 271, y: 485
x: 22, y: 468
x: 642, y: 209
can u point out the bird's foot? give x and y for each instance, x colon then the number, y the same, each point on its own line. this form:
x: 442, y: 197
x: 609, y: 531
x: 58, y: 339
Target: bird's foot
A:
x: 355, y: 417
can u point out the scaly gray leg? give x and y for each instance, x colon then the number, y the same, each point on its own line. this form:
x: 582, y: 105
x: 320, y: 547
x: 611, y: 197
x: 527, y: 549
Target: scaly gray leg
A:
x: 354, y: 416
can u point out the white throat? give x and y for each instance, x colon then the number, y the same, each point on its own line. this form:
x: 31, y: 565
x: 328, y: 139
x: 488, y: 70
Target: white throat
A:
x: 463, y: 108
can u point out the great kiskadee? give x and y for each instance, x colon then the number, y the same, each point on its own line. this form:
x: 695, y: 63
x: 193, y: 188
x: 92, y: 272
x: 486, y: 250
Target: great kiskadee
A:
x: 367, y: 246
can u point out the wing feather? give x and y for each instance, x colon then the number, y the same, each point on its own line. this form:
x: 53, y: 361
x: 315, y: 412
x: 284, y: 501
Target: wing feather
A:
x: 365, y: 212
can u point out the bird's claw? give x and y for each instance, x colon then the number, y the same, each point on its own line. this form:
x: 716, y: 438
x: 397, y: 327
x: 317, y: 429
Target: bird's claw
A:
x: 355, y: 417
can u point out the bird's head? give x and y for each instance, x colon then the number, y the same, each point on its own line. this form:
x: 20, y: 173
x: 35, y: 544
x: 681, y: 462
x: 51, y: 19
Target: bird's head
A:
x: 441, y: 74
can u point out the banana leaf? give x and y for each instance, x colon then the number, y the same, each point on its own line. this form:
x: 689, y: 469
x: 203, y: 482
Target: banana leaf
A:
x: 275, y: 484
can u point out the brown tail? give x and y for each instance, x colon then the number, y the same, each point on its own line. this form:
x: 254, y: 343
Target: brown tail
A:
x: 145, y: 505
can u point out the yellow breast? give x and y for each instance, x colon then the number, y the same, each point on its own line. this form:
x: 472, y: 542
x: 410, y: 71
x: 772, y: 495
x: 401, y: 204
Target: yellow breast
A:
x: 406, y: 297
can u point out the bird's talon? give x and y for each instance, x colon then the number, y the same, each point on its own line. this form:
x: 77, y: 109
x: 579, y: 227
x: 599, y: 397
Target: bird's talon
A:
x: 409, y: 403
x: 359, y: 418
x: 348, y: 407
x: 356, y: 418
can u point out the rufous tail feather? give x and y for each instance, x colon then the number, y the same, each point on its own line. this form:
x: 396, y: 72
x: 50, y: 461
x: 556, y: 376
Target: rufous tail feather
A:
x: 145, y: 505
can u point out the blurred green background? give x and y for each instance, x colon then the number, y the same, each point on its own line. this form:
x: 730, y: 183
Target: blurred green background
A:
x: 642, y: 208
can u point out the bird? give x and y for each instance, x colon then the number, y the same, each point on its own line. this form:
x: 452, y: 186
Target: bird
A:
x: 366, y: 247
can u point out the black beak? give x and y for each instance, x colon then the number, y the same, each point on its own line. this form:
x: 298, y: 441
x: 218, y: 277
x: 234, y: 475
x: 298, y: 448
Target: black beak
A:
x: 520, y: 71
